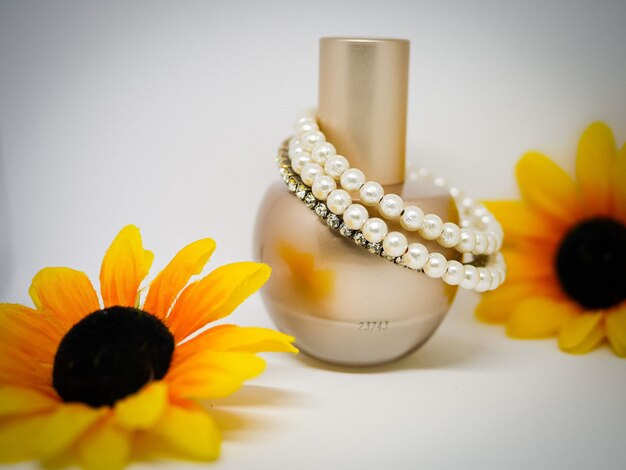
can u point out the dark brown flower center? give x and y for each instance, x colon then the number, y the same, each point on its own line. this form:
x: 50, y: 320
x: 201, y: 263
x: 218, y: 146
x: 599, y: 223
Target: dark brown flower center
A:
x: 591, y: 263
x: 110, y: 354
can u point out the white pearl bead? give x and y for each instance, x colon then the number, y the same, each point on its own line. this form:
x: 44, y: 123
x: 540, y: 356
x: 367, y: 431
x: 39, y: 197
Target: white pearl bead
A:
x: 321, y: 151
x: 395, y: 244
x: 310, y: 172
x: 481, y: 243
x: 416, y: 256
x: 296, y: 151
x: 391, y: 206
x: 499, y: 241
x: 309, y: 139
x: 484, y: 280
x: 495, y: 278
x: 467, y: 240
x: 294, y: 142
x: 338, y: 201
x: 412, y: 218
x: 450, y: 235
x: 478, y: 210
x: 374, y: 230
x: 439, y: 181
x: 299, y: 162
x: 431, y: 227
x: 336, y: 165
x: 436, y: 265
x: 371, y: 193
x: 306, y: 127
x: 466, y: 204
x: 470, y: 277
x: 454, y: 274
x: 352, y: 179
x: 454, y: 192
x: 355, y: 216
x: 322, y: 186
x: 302, y: 120
x: 502, y: 272
x: 485, y: 221
x: 497, y: 228
x: 491, y: 243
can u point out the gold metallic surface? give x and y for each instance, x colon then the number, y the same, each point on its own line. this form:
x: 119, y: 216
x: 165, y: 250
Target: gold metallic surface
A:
x: 363, y: 103
x: 343, y: 304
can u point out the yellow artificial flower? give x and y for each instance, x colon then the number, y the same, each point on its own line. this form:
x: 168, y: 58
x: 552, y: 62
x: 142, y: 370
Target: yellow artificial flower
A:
x: 98, y: 386
x: 566, y: 249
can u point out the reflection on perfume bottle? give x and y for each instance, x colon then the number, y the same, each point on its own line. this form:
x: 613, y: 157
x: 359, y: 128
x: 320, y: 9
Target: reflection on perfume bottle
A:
x: 306, y: 281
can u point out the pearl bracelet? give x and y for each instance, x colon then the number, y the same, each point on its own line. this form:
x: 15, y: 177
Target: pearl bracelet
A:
x: 319, y: 166
x: 488, y: 275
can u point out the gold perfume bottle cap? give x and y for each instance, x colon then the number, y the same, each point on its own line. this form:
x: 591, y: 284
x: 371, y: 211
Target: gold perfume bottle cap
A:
x: 363, y: 89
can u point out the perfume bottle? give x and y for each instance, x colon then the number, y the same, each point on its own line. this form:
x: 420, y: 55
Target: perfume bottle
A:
x: 343, y: 304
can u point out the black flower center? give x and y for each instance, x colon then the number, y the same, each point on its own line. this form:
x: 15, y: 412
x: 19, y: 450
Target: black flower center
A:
x: 111, y: 354
x: 591, y: 263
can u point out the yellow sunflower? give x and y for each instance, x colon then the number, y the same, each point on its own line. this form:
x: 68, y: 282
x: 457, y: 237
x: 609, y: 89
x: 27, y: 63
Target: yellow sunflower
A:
x: 566, y: 249
x: 101, y: 385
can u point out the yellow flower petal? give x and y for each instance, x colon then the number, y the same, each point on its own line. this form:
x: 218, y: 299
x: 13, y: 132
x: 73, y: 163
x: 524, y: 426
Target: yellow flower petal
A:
x: 22, y: 401
x: 143, y: 409
x: 619, y: 185
x: 34, y: 333
x: 45, y: 435
x: 529, y: 265
x: 212, y: 374
x: 169, y: 282
x: 124, y: 266
x: 497, y: 305
x: 548, y: 188
x: 182, y: 432
x: 65, y: 293
x: 594, y: 167
x: 20, y: 369
x: 238, y: 338
x: 582, y: 333
x: 105, y: 447
x: 616, y: 330
x: 521, y: 222
x: 540, y: 317
x: 215, y: 296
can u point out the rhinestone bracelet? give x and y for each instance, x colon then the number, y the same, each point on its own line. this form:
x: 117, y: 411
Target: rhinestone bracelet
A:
x: 478, y: 272
x: 319, y: 166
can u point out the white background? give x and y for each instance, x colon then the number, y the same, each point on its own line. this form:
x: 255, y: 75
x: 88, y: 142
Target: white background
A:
x: 168, y: 115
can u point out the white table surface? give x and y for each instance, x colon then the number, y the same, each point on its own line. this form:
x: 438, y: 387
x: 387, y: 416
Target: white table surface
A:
x: 167, y: 115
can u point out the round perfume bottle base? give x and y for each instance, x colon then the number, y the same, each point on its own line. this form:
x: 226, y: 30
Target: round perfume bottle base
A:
x: 354, y: 343
x: 342, y: 303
